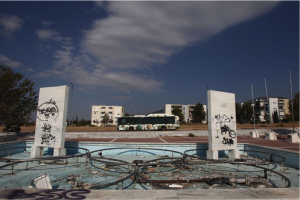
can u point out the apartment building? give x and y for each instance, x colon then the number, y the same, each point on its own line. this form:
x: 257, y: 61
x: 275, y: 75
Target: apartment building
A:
x: 186, y: 111
x: 114, y: 112
x: 264, y: 108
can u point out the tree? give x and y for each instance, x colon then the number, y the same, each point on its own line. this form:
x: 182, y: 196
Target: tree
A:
x: 275, y: 117
x: 76, y: 121
x: 17, y: 97
x: 82, y: 122
x: 295, y: 107
x: 238, y: 109
x: 105, y: 119
x: 288, y: 117
x: 127, y: 115
x: 247, y: 112
x: 178, y: 112
x: 198, y: 113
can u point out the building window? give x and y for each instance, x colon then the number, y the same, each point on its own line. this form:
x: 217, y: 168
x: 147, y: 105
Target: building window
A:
x: 110, y: 107
x: 94, y: 113
x: 103, y: 107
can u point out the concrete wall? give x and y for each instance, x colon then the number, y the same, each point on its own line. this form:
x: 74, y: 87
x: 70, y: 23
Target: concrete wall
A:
x: 8, y: 138
x: 12, y: 145
x: 155, y: 134
x: 292, y: 158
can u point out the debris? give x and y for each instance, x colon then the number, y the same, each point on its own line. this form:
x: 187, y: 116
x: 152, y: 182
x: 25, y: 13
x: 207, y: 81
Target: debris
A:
x: 175, y: 186
x: 41, y: 182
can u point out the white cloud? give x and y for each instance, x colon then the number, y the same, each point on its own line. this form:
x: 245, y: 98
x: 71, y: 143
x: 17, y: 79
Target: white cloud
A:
x: 49, y: 34
x: 91, y: 76
x: 138, y: 34
x: 141, y: 34
x: 5, y: 60
x: 47, y: 23
x: 30, y: 70
x: 10, y: 24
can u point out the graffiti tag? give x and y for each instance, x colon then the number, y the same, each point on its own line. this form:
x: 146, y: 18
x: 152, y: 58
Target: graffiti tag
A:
x: 228, y: 141
x: 48, y: 110
x: 49, y: 194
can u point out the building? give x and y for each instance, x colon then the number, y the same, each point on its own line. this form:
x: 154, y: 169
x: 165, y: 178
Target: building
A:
x: 264, y: 108
x: 186, y: 111
x: 114, y: 112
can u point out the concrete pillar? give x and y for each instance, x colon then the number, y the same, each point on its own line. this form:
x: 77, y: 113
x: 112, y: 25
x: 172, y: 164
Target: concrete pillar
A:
x: 293, y: 138
x: 254, y: 134
x: 212, y: 154
x: 59, y: 152
x: 270, y: 136
x: 234, y: 154
x: 36, y: 151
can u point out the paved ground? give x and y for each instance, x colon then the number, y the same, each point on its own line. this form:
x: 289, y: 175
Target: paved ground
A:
x: 280, y: 143
x: 270, y: 193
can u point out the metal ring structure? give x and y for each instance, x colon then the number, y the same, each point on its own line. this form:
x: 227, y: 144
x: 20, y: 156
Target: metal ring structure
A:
x: 235, y: 162
x: 256, y: 164
x: 137, y: 166
x: 121, y: 162
x: 15, y: 161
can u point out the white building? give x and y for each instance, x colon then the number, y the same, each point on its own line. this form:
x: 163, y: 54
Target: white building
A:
x: 186, y: 111
x: 114, y: 112
x: 265, y: 109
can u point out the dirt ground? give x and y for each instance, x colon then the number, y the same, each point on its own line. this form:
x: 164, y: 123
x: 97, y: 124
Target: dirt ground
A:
x: 183, y: 127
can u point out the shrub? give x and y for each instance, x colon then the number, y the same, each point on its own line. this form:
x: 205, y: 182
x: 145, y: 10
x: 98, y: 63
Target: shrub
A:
x: 191, y: 135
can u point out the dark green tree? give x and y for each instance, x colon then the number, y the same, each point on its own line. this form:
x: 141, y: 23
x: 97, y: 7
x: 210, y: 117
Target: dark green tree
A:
x: 198, y: 113
x: 127, y: 115
x: 82, y: 122
x: 295, y: 106
x: 178, y: 112
x: 17, y: 97
x: 238, y: 109
x: 275, y: 117
x: 76, y: 121
x: 246, y: 112
x: 105, y: 119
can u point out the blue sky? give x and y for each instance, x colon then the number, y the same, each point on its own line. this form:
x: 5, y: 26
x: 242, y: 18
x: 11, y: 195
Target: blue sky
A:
x: 159, y: 52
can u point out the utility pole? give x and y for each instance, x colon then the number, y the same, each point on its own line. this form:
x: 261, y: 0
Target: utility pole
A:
x: 71, y: 108
x: 292, y: 100
x: 207, y: 103
x: 253, y: 108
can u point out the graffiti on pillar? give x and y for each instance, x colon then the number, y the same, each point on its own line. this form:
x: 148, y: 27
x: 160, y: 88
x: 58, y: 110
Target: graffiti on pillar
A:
x: 222, y: 121
x: 48, y: 111
x: 46, y: 137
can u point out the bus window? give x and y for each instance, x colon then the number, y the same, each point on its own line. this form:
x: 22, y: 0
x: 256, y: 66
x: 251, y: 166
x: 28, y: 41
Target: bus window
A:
x: 170, y: 120
x: 155, y: 120
x: 130, y: 121
x: 138, y: 120
x: 147, y: 120
x: 123, y: 121
x: 162, y: 120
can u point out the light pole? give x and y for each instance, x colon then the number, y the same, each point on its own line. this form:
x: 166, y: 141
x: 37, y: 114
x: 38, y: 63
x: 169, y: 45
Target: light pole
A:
x: 253, y: 108
x: 123, y: 102
x: 292, y: 100
x: 207, y: 103
x: 71, y: 107
x: 268, y: 104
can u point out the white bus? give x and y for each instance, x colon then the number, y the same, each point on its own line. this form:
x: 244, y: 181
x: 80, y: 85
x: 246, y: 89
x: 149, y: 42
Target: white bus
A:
x: 157, y: 122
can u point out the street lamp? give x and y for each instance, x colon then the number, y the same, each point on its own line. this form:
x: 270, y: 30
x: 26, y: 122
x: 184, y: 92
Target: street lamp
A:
x: 71, y: 107
x: 208, y: 85
x: 207, y: 103
x: 123, y: 102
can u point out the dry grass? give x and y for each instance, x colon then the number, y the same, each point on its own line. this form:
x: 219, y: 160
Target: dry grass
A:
x: 182, y: 127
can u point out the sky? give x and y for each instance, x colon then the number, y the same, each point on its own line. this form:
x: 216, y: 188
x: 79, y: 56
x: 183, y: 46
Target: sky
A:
x: 144, y: 55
